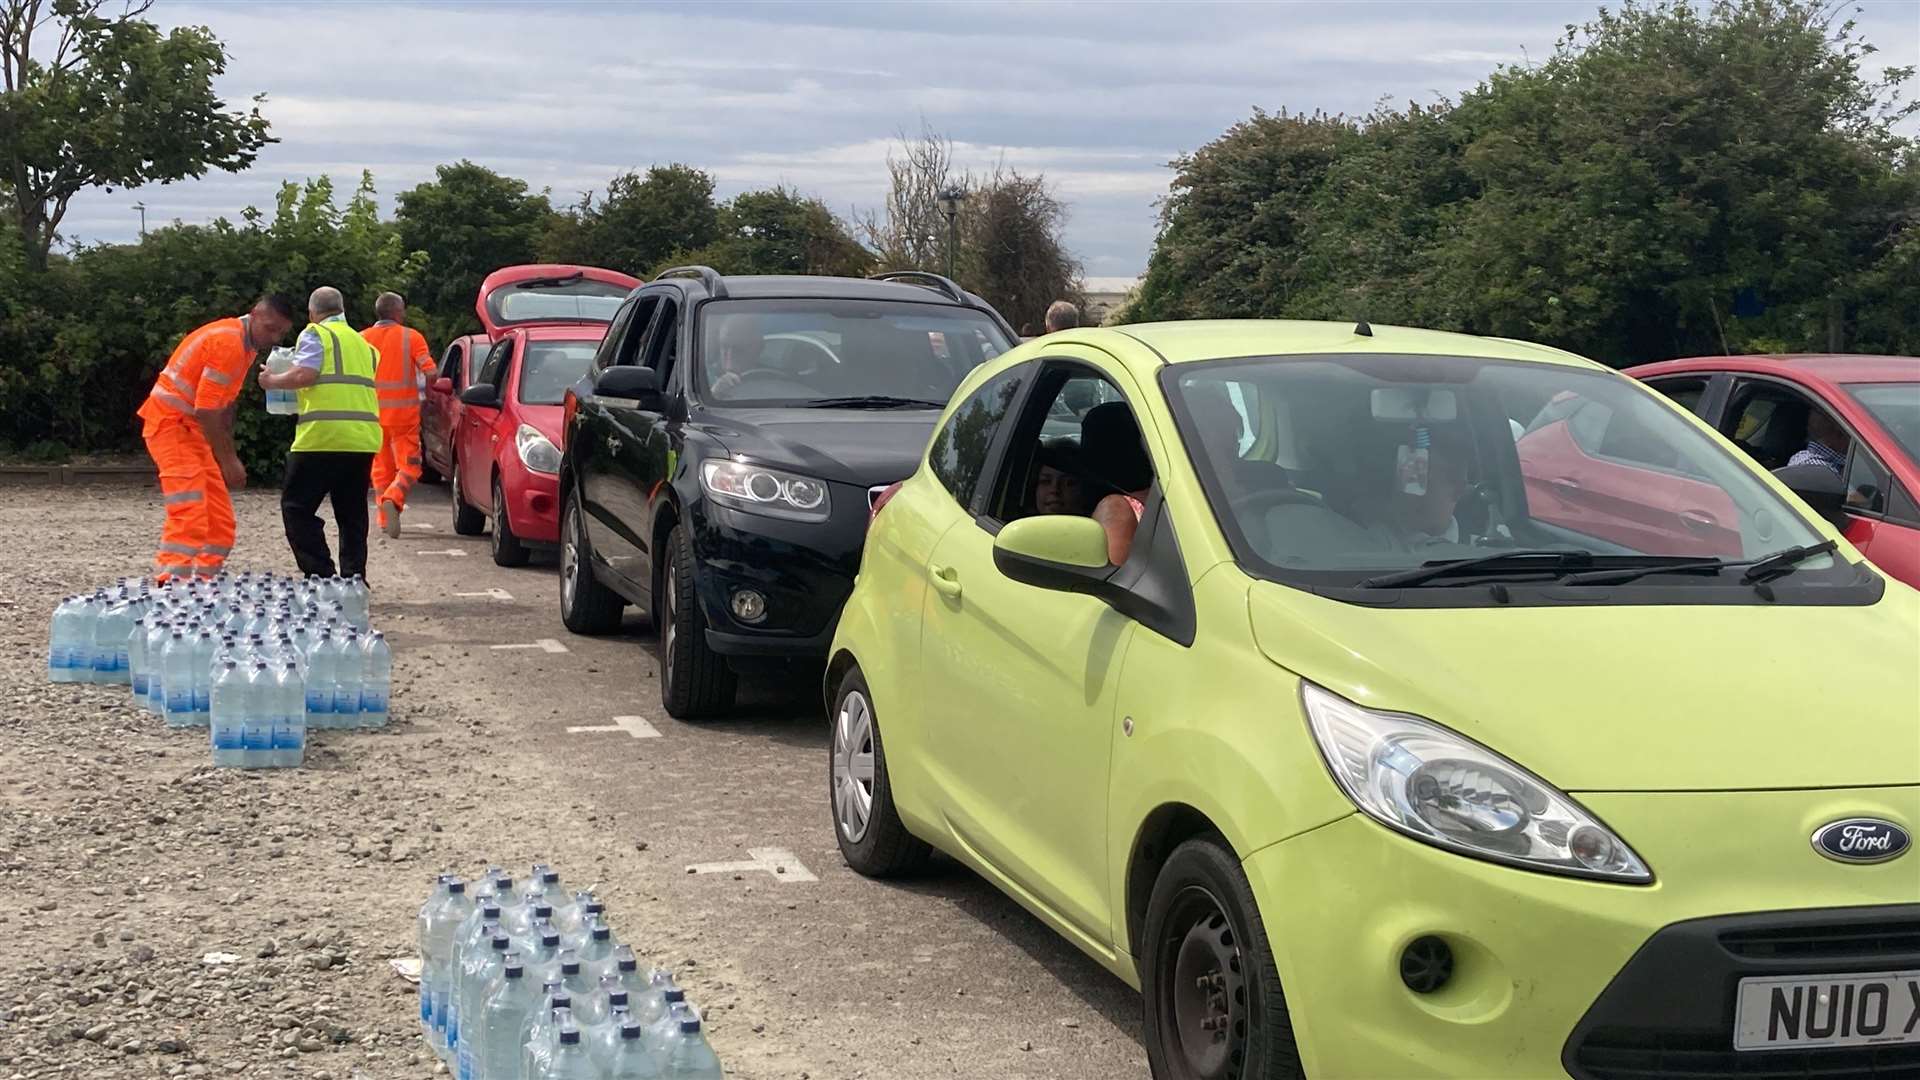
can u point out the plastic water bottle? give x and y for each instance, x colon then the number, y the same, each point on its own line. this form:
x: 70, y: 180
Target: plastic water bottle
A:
x: 439, y: 918
x: 519, y: 918
x: 354, y: 602
x: 158, y: 634
x: 571, y: 915
x: 203, y: 644
x: 320, y: 666
x: 474, y: 933
x: 256, y: 730
x: 176, y: 667
x: 137, y: 661
x: 376, y: 680
x: 658, y: 999
x: 290, y: 718
x: 281, y: 402
x: 632, y: 1058
x: 346, y: 681
x: 603, y: 1035
x: 684, y: 1054
x: 60, y: 640
x: 573, y: 976
x: 537, y: 1038
x: 226, y: 731
x: 570, y: 1061
x: 475, y: 984
x: 542, y: 949
x: 544, y: 883
x: 510, y: 1004
x: 595, y: 947
x: 608, y: 997
x: 110, y: 642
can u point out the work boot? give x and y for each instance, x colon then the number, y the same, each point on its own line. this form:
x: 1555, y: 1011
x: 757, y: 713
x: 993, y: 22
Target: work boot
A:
x: 390, y: 519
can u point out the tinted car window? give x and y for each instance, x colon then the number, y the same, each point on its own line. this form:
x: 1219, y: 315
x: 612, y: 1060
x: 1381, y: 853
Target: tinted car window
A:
x: 496, y: 361
x: 1897, y: 407
x: 800, y: 352
x: 959, y: 451
x: 550, y: 368
x: 575, y: 300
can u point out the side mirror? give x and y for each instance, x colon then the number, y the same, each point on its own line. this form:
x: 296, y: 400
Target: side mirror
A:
x: 1065, y: 552
x: 1820, y: 488
x: 485, y: 394
x: 637, y: 384
x: 443, y: 385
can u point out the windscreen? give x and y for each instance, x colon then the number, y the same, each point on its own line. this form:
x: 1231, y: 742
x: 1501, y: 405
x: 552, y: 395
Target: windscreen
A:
x: 552, y: 366
x: 1897, y: 407
x: 809, y: 352
x: 1381, y: 463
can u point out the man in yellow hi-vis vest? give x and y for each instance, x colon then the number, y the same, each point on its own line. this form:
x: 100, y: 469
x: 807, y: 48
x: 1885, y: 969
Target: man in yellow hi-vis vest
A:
x: 335, y: 436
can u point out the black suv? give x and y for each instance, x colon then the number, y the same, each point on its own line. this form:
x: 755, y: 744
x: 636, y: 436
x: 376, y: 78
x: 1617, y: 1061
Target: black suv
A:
x: 723, y: 452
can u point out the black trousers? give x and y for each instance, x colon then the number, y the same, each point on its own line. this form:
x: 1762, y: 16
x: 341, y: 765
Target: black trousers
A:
x: 342, y: 479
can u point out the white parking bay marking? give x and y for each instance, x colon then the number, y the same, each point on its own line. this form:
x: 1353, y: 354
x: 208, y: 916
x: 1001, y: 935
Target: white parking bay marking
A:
x: 452, y: 553
x: 501, y: 595
x: 635, y: 726
x: 420, y: 526
x: 772, y: 860
x: 545, y: 644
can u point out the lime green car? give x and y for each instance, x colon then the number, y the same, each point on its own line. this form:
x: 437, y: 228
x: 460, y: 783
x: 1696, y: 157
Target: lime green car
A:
x: 1457, y: 708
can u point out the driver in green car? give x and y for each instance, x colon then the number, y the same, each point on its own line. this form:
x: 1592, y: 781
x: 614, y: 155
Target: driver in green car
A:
x: 1417, y: 507
x: 741, y: 344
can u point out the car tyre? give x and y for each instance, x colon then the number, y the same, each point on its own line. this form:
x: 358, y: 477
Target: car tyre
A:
x: 466, y: 520
x: 586, y: 606
x: 1214, y: 1006
x: 873, y: 839
x: 507, y: 548
x: 695, y: 681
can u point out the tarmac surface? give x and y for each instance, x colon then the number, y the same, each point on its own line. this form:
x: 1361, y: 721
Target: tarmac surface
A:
x: 125, y: 859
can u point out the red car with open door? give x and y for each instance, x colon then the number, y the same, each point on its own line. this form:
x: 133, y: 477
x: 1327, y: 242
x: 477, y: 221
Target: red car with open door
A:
x: 440, y: 414
x: 544, y: 322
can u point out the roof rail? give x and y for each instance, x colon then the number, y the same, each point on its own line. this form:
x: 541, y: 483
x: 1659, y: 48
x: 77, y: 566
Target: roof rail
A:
x: 708, y: 276
x: 924, y: 278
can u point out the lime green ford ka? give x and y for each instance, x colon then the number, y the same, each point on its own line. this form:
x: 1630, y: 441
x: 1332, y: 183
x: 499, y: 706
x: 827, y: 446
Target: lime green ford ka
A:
x: 1457, y: 708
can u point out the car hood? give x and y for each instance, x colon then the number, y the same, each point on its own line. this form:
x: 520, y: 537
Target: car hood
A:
x: 852, y: 446
x: 1633, y: 698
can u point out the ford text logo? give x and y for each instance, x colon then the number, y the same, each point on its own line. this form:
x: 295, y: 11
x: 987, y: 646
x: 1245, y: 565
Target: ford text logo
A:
x: 1861, y: 840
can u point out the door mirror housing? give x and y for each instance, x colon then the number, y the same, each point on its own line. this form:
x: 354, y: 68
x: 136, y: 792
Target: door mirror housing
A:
x: 1065, y: 552
x: 442, y: 385
x: 483, y: 394
x: 1820, y: 488
x: 637, y: 384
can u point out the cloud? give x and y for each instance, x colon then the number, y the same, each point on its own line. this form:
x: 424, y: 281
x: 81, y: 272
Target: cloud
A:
x: 1099, y: 97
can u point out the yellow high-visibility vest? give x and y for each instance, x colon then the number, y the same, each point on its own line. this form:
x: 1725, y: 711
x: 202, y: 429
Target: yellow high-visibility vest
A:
x: 341, y: 411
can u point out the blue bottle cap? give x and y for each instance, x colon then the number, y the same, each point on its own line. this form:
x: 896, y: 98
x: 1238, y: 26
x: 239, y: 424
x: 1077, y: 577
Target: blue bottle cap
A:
x: 601, y: 931
x: 617, y: 998
x: 569, y: 1035
x: 631, y: 1030
x: 674, y: 994
x: 501, y: 943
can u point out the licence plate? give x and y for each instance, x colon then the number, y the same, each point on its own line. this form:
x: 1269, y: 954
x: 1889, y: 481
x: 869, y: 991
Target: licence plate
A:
x: 1808, y: 1011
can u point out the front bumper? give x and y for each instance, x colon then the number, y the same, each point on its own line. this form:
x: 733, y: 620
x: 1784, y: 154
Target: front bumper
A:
x: 805, y: 570
x: 1535, y: 954
x: 533, y: 501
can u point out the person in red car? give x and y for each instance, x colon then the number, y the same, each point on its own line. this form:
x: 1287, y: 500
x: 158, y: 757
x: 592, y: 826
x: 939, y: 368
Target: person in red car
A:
x: 1827, y: 443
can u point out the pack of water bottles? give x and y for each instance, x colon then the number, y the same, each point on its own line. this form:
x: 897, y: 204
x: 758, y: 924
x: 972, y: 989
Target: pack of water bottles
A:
x: 526, y: 981
x: 257, y: 659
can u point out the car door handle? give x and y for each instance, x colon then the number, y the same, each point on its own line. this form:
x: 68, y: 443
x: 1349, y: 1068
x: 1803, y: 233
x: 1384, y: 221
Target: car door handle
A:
x: 946, y: 580
x: 1565, y: 483
x: 614, y: 444
x: 1698, y: 520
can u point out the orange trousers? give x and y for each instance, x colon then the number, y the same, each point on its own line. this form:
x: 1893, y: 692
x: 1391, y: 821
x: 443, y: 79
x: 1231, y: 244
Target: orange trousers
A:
x: 198, y: 534
x: 396, y: 468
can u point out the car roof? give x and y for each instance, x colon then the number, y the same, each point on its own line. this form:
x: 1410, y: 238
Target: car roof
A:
x: 1834, y: 367
x: 1217, y: 339
x: 771, y: 286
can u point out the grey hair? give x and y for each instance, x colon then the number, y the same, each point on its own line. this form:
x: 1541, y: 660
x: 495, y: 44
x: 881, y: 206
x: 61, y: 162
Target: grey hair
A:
x: 1062, y: 315
x: 388, y: 305
x: 325, y: 301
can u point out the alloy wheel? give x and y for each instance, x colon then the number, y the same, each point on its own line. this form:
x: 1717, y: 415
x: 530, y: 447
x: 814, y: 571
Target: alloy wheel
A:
x: 853, y: 766
x: 570, y: 558
x: 1205, y: 988
x: 669, y: 632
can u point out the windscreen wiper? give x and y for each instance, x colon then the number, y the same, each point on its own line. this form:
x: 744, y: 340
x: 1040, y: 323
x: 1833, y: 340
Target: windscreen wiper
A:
x: 547, y: 282
x: 1758, y: 570
x: 1523, y: 560
x: 875, y: 401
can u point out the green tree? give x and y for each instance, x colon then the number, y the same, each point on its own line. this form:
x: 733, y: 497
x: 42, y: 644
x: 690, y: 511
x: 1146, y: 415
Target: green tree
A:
x: 778, y: 231
x: 470, y: 221
x: 641, y: 221
x: 1010, y: 249
x: 113, y: 103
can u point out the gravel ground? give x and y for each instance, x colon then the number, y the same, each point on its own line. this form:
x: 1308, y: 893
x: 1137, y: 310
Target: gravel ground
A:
x: 126, y: 859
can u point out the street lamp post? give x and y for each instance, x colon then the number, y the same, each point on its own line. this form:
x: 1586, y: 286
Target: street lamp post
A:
x: 950, y: 206
x: 142, y: 207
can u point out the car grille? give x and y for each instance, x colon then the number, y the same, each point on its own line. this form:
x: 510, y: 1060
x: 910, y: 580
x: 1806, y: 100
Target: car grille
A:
x: 1634, y: 1055
x: 1832, y: 942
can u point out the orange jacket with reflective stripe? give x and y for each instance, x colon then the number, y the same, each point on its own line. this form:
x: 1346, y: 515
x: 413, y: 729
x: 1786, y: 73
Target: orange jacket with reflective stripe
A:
x: 207, y: 370
x: 403, y: 360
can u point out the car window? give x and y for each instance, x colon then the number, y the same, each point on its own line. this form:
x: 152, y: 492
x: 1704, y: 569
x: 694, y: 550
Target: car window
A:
x: 1084, y: 447
x: 958, y: 454
x: 804, y: 352
x: 1396, y: 461
x: 626, y: 350
x: 494, y: 368
x: 1686, y: 392
x: 476, y: 357
x: 1897, y: 407
x: 1769, y: 421
x: 1867, y: 482
x: 550, y: 368
x: 603, y: 356
x: 663, y: 340
x: 451, y: 366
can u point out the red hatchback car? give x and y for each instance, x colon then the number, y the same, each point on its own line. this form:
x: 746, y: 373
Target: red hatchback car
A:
x: 544, y: 322
x: 440, y: 414
x: 1863, y: 412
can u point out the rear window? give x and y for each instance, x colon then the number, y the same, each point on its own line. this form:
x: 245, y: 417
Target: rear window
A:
x: 551, y: 367
x: 557, y: 300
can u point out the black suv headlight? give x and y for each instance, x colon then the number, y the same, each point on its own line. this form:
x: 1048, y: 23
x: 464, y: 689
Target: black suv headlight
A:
x: 760, y: 490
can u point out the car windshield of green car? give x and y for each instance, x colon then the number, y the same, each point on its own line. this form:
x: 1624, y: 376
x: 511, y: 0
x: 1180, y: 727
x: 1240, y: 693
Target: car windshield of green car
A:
x: 552, y: 366
x: 1897, y: 407
x: 1344, y: 470
x: 823, y: 353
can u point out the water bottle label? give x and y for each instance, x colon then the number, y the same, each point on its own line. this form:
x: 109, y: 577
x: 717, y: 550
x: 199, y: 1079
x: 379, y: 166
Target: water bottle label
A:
x: 202, y: 699
x: 121, y: 661
x: 288, y: 735
x: 179, y: 702
x: 258, y: 735
x: 426, y: 997
x: 228, y: 737
x: 139, y: 684
x: 373, y: 701
x: 319, y: 701
x: 59, y: 658
x: 346, y: 701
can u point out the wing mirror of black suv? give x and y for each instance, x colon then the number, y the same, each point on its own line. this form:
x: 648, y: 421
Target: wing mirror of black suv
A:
x: 637, y: 384
x: 1818, y: 487
x: 485, y: 394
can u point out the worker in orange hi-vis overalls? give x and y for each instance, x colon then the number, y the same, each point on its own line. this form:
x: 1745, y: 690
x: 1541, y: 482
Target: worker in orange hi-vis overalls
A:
x: 189, y: 433
x: 405, y: 368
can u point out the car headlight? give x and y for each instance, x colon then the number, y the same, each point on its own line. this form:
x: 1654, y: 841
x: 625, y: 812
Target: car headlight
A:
x: 537, y: 452
x: 1434, y: 785
x: 765, y: 491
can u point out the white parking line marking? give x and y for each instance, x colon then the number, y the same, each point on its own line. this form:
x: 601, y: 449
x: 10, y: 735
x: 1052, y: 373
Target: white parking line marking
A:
x: 421, y: 526
x: 501, y: 595
x: 545, y: 644
x: 452, y: 552
x: 636, y: 726
x: 772, y: 860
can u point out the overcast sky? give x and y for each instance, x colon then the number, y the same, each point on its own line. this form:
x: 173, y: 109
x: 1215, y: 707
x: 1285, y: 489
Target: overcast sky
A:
x: 1099, y: 96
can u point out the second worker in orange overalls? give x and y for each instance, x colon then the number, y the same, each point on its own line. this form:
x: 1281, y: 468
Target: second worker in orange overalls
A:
x: 404, y: 369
